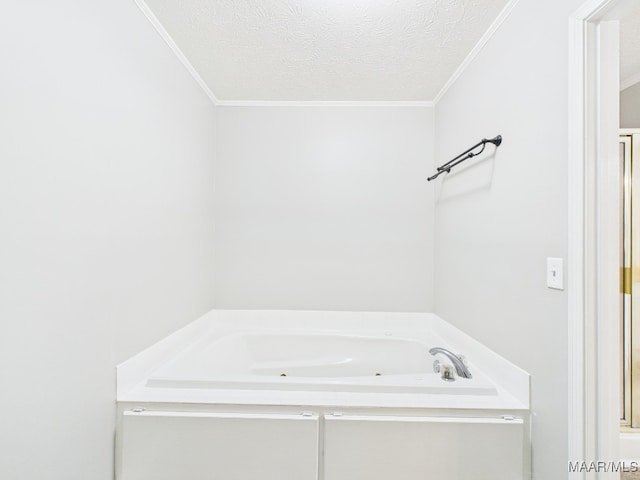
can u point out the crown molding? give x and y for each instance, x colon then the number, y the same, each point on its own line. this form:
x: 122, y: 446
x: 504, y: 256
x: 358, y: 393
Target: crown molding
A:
x: 493, y: 28
x: 323, y: 103
x: 144, y: 8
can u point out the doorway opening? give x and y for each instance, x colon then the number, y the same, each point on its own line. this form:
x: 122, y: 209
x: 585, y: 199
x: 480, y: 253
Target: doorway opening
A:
x: 601, y: 242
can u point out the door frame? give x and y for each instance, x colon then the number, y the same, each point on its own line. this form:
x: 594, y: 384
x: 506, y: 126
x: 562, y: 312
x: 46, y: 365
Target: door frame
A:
x: 593, y: 238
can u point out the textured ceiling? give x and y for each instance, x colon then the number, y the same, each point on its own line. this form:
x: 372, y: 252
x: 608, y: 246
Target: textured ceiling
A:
x: 329, y: 50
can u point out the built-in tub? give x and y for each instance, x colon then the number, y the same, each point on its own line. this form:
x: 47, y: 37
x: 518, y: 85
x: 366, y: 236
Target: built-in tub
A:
x: 299, y: 357
x: 313, y: 361
x: 309, y: 395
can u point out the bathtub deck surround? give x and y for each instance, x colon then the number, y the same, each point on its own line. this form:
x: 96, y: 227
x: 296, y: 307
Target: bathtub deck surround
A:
x: 319, y: 358
x: 342, y: 392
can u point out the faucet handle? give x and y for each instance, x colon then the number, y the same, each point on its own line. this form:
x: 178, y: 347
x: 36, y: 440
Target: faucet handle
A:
x: 437, y: 365
x: 445, y: 370
x: 446, y: 373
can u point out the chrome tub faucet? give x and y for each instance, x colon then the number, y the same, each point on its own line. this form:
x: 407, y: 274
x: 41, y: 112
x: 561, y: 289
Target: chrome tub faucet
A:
x: 458, y: 363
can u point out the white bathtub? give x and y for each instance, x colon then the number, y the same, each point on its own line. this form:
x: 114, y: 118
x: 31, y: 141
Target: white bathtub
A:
x: 313, y: 361
x: 333, y: 388
x: 342, y: 392
x: 319, y: 358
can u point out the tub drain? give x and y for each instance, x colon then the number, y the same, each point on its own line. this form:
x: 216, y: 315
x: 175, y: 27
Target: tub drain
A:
x: 378, y: 374
x: 283, y: 374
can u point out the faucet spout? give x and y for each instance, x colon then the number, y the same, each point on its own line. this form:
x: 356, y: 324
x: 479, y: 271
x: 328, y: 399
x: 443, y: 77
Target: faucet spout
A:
x: 461, y: 368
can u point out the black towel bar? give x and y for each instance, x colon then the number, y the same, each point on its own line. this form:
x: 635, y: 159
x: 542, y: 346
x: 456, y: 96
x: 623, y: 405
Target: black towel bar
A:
x: 466, y: 155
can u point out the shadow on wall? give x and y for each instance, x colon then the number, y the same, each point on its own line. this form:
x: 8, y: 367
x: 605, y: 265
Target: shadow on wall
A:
x: 630, y: 107
x: 468, y: 179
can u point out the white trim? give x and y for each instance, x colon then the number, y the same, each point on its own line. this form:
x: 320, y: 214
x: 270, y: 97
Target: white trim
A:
x: 576, y: 253
x: 609, y: 242
x: 591, y: 9
x: 629, y: 81
x: 322, y: 103
x: 502, y: 16
x: 592, y: 433
x: 144, y: 8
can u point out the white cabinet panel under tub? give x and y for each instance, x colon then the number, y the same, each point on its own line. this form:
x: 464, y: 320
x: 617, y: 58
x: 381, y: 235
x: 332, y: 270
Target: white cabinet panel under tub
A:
x: 159, y: 445
x: 419, y: 448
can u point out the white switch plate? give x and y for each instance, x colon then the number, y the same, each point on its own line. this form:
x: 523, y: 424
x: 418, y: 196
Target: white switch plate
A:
x: 555, y: 274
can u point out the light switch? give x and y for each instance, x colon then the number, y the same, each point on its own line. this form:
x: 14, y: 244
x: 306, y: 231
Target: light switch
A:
x: 555, y: 276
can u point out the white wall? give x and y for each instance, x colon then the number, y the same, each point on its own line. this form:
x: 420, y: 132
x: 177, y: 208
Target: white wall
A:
x: 324, y: 207
x: 497, y: 220
x: 630, y: 107
x: 106, y: 174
